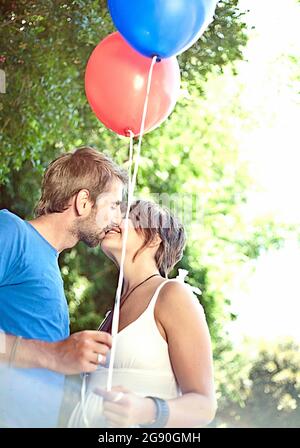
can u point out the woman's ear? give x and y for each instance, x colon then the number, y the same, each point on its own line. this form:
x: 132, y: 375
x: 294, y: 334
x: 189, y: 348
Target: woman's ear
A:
x: 156, y: 241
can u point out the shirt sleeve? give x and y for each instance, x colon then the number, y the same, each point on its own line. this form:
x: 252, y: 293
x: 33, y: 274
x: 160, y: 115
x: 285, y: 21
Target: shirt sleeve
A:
x: 10, y: 242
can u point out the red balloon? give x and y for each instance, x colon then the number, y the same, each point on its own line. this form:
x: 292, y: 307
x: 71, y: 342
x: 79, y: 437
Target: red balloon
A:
x: 116, y: 81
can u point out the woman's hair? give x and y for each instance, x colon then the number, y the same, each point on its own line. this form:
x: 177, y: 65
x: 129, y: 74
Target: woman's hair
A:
x: 151, y: 220
x: 84, y: 168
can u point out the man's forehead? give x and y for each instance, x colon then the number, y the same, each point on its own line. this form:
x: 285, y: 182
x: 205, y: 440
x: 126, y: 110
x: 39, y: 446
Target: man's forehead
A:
x: 116, y: 186
x: 113, y: 193
x: 116, y: 191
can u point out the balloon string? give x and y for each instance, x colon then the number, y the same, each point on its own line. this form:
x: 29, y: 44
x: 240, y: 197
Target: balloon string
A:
x: 115, y: 322
x: 121, y: 276
x: 131, y: 135
x: 83, y: 401
x: 131, y: 188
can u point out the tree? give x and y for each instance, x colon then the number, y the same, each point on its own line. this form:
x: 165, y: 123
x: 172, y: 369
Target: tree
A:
x: 269, y: 386
x: 44, y: 50
x: 45, y: 47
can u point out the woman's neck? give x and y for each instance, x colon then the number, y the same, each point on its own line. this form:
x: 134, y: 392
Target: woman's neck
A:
x: 135, y: 273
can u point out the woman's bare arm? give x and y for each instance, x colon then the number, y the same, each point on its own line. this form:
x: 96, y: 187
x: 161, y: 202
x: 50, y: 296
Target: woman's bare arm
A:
x: 183, y: 320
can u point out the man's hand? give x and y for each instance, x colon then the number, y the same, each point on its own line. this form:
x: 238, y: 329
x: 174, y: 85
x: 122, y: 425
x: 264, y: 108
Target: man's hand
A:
x: 79, y: 353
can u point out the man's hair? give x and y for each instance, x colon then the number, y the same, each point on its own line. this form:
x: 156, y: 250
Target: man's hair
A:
x: 151, y: 220
x: 84, y: 168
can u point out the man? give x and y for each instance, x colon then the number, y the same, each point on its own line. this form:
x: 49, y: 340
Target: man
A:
x: 80, y: 201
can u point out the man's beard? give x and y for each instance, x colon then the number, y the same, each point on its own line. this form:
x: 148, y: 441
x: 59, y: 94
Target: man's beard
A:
x: 87, y: 231
x: 88, y: 238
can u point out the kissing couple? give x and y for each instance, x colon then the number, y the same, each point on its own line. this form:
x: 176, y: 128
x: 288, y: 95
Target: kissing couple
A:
x: 163, y: 368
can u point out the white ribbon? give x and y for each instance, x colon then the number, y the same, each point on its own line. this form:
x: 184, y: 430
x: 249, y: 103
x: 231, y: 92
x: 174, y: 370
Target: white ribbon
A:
x: 131, y: 187
x: 182, y: 273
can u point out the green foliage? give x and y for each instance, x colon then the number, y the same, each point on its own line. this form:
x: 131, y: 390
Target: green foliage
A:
x: 44, y: 49
x: 45, y: 46
x: 194, y: 155
x: 261, y: 391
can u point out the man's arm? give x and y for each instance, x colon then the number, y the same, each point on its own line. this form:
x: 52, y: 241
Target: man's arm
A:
x: 76, y: 354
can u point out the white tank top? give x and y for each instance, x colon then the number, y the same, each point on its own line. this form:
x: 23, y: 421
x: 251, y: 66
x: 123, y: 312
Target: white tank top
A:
x: 142, y: 364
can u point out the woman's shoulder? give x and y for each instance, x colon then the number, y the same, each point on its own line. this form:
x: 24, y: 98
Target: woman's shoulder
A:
x: 178, y: 307
x: 177, y: 294
x: 178, y: 289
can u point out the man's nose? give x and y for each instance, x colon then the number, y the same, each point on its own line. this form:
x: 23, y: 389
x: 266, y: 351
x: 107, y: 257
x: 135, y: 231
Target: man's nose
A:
x: 118, y: 216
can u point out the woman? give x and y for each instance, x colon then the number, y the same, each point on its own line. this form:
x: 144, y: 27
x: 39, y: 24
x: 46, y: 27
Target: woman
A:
x: 163, y: 370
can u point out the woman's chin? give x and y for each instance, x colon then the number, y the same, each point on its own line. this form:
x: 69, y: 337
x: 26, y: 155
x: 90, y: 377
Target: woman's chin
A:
x: 110, y: 242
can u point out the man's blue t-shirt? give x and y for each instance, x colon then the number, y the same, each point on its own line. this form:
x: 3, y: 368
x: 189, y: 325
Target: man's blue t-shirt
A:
x: 32, y: 305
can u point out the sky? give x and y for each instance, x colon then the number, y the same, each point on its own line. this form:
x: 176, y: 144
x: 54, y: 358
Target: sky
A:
x: 268, y: 305
x: 274, y: 98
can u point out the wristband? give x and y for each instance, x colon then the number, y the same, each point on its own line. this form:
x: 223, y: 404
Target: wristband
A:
x: 162, y: 414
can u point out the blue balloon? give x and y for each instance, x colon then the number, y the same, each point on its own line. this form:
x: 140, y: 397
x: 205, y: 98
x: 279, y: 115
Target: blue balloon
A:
x: 161, y: 28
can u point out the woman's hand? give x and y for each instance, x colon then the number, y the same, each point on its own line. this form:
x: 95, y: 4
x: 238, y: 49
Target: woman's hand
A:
x: 123, y: 408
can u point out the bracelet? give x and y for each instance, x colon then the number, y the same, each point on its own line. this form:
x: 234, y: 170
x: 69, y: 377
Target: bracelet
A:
x: 14, y: 350
x: 162, y: 414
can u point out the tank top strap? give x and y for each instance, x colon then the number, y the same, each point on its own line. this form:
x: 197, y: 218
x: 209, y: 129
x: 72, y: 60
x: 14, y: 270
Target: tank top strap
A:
x: 156, y: 293
x: 182, y: 273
